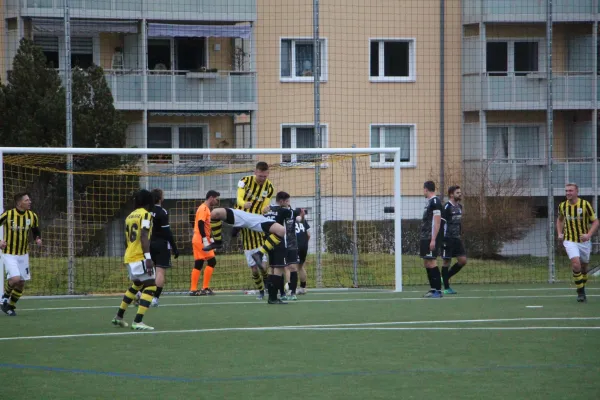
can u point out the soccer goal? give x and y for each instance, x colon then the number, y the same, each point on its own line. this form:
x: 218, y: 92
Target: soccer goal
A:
x: 353, y: 242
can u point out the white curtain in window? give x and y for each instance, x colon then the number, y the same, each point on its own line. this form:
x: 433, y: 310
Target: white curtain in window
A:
x: 527, y: 142
x: 304, y: 59
x: 497, y: 143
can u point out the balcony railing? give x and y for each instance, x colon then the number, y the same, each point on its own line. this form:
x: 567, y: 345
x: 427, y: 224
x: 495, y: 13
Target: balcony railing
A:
x: 183, y: 89
x: 532, y: 174
x: 223, y: 10
x: 571, y: 90
x: 526, y: 10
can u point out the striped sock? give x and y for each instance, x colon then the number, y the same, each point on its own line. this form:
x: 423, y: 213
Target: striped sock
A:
x: 270, y: 242
x: 578, y: 279
x: 128, y: 298
x: 584, y: 277
x: 7, y: 289
x: 216, y: 228
x: 15, y: 295
x: 147, y: 296
x: 258, y: 281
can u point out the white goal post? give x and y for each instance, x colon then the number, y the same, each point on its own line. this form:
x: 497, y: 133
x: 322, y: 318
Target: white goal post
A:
x: 69, y: 152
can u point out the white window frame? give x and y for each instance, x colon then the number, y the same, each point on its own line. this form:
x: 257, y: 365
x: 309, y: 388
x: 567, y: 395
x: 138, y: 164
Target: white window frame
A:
x: 293, y: 77
x: 175, y: 137
x: 512, y: 141
x: 510, y: 48
x: 413, y: 150
x: 294, y: 157
x: 412, y: 60
x: 172, y: 49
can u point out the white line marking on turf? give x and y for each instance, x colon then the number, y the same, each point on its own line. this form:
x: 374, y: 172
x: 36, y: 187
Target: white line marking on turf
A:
x: 534, y: 306
x: 331, y: 327
x: 310, y: 301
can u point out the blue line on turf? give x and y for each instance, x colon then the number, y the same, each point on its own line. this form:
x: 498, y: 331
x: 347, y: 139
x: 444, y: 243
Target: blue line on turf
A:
x: 299, y: 375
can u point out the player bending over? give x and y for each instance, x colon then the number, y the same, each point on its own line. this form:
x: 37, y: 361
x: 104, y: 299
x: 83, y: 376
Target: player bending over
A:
x: 138, y: 228
x: 202, y: 239
x: 453, y: 245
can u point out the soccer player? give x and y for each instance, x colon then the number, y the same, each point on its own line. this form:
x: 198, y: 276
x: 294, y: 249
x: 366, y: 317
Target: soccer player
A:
x: 453, y: 245
x: 254, y: 195
x: 138, y: 229
x: 303, y: 235
x: 17, y: 224
x: 284, y: 257
x: 575, y: 226
x: 162, y: 243
x: 202, y: 238
x: 430, y: 228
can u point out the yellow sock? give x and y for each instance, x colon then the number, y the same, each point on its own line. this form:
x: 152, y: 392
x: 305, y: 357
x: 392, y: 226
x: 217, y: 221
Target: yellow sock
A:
x: 147, y: 295
x: 578, y: 279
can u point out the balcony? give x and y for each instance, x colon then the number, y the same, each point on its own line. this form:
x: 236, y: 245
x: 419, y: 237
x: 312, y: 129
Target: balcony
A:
x: 183, y: 10
x: 531, y: 176
x: 183, y: 90
x: 571, y: 90
x: 475, y: 11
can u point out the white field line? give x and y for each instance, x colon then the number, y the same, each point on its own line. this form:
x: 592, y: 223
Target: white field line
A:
x: 333, y: 327
x: 257, y: 302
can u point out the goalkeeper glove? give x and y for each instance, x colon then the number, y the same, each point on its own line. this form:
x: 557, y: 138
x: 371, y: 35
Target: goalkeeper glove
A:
x: 175, y: 253
x: 205, y: 242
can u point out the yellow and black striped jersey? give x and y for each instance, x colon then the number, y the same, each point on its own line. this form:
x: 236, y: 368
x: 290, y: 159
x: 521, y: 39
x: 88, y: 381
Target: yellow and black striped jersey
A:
x: 16, y: 226
x: 251, y: 191
x: 134, y: 223
x: 577, y: 218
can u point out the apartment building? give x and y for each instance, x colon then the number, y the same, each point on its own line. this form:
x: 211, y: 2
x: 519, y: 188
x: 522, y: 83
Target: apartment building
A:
x: 505, y: 55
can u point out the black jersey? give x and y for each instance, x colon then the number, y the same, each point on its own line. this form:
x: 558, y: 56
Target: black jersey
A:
x: 452, y: 215
x: 287, y: 218
x: 160, y: 219
x: 432, y: 207
x: 302, y: 234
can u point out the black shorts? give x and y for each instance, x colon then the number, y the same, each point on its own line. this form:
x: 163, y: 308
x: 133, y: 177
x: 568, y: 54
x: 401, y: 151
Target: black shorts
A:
x: 453, y: 247
x: 292, y: 257
x: 160, y: 253
x: 277, y: 257
x: 302, y: 252
x: 424, y: 251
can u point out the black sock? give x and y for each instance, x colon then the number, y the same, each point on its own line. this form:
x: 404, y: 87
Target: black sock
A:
x: 429, y: 278
x: 282, y: 287
x: 446, y: 277
x: 273, y: 286
x: 293, y: 281
x: 158, y: 291
x: 436, y: 278
x: 454, y: 270
x: 303, y: 285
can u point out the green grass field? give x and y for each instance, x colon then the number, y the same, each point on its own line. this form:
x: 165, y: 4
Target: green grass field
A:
x: 484, y: 343
x: 108, y: 275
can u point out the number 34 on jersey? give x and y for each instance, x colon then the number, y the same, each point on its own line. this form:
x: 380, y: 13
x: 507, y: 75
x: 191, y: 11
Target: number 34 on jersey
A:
x: 137, y: 220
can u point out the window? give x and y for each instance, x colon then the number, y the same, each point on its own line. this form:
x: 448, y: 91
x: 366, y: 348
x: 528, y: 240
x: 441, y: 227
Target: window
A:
x: 504, y: 57
x: 520, y: 143
x: 82, y: 52
x: 402, y: 136
x: 49, y: 46
x: 177, y: 137
x: 297, y: 60
x: 243, y: 139
x: 181, y: 54
x: 300, y: 137
x: 392, y: 60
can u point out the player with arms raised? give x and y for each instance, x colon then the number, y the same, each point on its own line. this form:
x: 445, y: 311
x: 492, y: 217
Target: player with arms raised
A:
x: 138, y: 228
x: 430, y: 228
x: 575, y: 226
x: 17, y: 224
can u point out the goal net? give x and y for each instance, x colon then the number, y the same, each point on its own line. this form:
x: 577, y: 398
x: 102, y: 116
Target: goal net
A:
x: 352, y: 239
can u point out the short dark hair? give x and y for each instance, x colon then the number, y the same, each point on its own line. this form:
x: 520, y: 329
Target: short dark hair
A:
x: 282, y: 196
x: 19, y: 196
x: 143, y: 199
x: 429, y: 185
x: 262, y: 166
x: 452, y: 189
x: 157, y: 194
x: 212, y: 193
